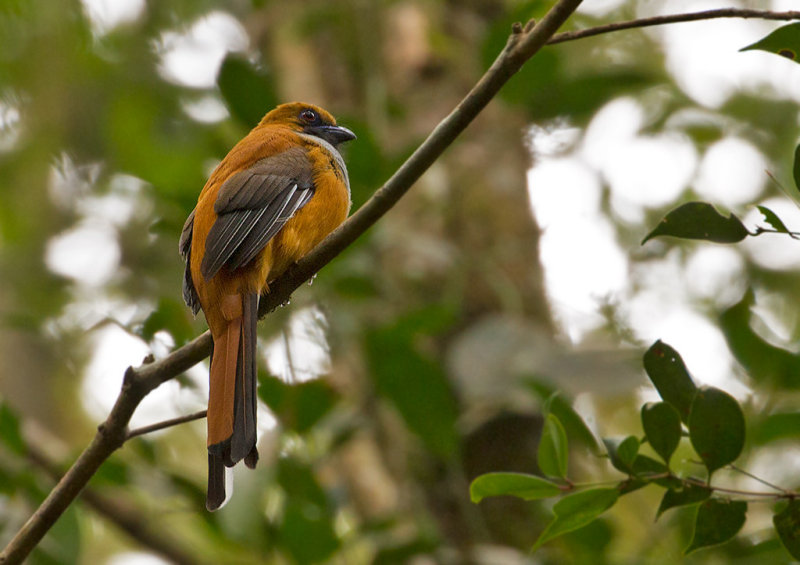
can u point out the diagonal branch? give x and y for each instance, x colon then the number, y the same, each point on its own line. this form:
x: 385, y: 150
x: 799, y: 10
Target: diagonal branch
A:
x: 124, y: 518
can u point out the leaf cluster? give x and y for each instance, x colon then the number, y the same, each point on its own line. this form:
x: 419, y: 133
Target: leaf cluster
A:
x: 714, y: 423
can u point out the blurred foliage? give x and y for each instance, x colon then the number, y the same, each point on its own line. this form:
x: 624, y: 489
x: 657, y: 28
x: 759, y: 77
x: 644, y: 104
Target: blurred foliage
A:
x: 374, y: 448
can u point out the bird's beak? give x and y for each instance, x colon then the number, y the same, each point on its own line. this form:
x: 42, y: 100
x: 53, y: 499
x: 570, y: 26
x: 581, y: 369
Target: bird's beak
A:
x: 332, y: 134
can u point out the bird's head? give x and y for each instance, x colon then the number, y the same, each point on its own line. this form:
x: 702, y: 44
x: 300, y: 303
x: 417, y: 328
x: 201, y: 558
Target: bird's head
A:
x: 310, y: 119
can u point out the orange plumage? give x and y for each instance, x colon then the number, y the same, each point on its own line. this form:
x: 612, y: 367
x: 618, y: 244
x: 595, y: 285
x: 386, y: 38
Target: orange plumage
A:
x: 272, y: 199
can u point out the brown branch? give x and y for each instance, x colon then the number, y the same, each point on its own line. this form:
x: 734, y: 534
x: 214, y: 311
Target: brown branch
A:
x: 521, y: 46
x: 673, y: 19
x: 165, y: 424
x: 124, y: 518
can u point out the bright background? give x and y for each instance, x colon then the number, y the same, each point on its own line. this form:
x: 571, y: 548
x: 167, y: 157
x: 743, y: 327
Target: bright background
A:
x: 113, y: 112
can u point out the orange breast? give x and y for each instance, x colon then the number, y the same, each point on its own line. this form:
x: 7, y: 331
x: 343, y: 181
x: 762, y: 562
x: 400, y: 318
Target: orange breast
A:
x: 313, y: 222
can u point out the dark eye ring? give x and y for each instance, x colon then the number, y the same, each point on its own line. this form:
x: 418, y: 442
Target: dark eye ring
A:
x: 308, y: 116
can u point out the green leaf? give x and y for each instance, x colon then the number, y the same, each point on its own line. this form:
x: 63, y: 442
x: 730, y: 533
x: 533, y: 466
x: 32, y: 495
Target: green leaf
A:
x: 111, y: 473
x: 781, y: 425
x: 796, y: 167
x: 308, y: 533
x: 141, y: 134
x: 170, y: 315
x: 308, y: 513
x: 590, y: 543
x: 9, y: 430
x: 413, y: 380
x: 689, y: 494
x: 644, y: 465
x: 772, y: 219
x: 247, y: 91
x: 662, y: 426
x: 297, y: 406
x: 526, y: 487
x: 646, y: 470
x: 699, y: 220
x: 764, y: 362
x: 784, y: 41
x: 668, y: 373
x: 716, y: 427
x: 577, y: 510
x: 631, y: 484
x: 8, y: 486
x: 63, y: 541
x: 622, y: 452
x: 561, y: 407
x: 787, y: 524
x: 716, y: 522
x: 553, y: 448
x: 299, y: 482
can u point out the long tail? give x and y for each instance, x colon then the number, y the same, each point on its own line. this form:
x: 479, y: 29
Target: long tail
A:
x: 232, y: 395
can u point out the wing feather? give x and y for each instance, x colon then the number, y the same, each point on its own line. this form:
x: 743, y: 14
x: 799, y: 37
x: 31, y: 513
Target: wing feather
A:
x: 252, y: 206
x: 190, y: 296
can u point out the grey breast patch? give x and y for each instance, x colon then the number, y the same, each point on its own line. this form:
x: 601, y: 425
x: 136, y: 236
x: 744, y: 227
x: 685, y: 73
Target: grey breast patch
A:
x: 339, y: 161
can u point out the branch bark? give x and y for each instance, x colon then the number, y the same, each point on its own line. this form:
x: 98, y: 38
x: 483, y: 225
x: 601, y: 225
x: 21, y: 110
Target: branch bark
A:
x: 673, y: 19
x: 522, y: 45
x: 126, y: 520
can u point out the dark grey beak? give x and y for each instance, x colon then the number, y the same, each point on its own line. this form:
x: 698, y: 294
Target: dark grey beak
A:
x: 332, y: 134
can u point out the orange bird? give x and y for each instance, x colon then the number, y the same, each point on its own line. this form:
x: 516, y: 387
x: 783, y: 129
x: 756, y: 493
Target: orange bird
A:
x: 271, y: 200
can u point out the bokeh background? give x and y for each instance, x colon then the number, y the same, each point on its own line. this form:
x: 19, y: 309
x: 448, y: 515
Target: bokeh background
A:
x: 420, y: 357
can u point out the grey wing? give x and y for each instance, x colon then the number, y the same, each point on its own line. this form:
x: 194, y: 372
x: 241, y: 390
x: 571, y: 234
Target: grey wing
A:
x: 252, y: 206
x: 190, y: 296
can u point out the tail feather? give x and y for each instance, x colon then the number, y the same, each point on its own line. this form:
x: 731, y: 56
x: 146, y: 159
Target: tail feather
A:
x: 215, y: 495
x: 243, y: 440
x: 232, y: 395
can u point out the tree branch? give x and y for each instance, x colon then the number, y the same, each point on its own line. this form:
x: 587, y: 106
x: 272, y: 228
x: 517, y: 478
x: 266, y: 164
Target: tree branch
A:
x: 125, y: 519
x: 521, y: 46
x: 672, y: 19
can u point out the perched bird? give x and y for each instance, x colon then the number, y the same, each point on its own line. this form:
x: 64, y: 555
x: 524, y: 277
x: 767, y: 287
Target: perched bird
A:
x: 271, y: 200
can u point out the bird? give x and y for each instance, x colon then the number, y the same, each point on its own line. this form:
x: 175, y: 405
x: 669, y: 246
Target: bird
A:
x: 277, y: 194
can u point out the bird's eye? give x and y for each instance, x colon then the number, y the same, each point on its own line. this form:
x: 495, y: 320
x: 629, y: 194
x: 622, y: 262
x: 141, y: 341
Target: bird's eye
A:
x: 309, y: 116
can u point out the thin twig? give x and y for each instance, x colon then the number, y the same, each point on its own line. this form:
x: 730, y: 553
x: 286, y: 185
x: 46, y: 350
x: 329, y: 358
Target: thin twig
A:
x: 165, y: 424
x: 691, y: 481
x: 760, y: 480
x: 699, y: 483
x: 759, y: 230
x: 673, y: 19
